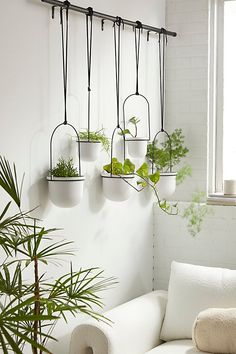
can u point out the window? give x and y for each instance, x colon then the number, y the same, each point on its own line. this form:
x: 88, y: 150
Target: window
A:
x: 222, y: 94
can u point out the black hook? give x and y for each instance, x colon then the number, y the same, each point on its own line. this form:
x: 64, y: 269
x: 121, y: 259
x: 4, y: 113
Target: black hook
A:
x: 102, y: 24
x: 139, y: 24
x: 90, y: 11
x: 53, y: 10
x: 118, y: 21
x: 66, y: 4
x: 148, y: 36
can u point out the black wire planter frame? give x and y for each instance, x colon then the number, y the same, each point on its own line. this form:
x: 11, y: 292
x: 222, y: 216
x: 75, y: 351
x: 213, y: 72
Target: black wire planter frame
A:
x: 162, y: 99
x: 117, y: 44
x: 137, y: 37
x: 65, y: 41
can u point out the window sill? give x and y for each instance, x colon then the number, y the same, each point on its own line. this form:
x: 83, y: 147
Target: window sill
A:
x: 221, y: 199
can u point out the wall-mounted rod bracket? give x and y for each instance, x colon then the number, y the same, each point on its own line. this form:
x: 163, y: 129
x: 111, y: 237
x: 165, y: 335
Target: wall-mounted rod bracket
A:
x: 57, y: 3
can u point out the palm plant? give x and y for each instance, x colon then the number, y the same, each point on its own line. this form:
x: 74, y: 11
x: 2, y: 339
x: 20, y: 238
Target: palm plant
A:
x: 30, y: 309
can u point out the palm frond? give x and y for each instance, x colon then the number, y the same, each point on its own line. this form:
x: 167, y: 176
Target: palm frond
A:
x: 9, y: 180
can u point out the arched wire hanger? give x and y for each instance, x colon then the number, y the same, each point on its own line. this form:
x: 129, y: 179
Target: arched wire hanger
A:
x: 65, y: 45
x: 137, y: 42
x: 117, y: 48
x: 162, y: 43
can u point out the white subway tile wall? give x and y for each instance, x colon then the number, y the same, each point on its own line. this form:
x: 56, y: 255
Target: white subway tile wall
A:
x: 214, y: 246
x: 186, y: 108
x: 186, y: 85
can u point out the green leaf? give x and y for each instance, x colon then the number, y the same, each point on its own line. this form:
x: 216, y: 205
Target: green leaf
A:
x: 128, y: 167
x: 183, y: 173
x: 9, y: 181
x: 155, y: 177
x: 134, y: 120
x: 143, y: 170
x: 143, y: 184
x: 125, y: 132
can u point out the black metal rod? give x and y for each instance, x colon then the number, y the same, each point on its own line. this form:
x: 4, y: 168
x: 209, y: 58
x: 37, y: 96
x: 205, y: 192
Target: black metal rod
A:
x: 109, y: 17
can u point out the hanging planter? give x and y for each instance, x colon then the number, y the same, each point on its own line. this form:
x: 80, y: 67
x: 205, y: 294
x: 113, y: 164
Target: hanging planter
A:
x: 117, y: 176
x: 167, y: 183
x: 65, y: 182
x: 137, y: 148
x: 137, y: 145
x: 115, y: 188
x: 66, y: 192
x: 91, y: 141
x: 90, y: 150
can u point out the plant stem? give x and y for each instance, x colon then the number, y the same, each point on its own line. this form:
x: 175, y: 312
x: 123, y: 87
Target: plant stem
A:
x: 36, y: 304
x: 136, y: 131
x: 37, y: 323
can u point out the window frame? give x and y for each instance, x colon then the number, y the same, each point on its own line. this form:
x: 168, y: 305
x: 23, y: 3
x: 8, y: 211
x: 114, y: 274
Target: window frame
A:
x: 215, y: 96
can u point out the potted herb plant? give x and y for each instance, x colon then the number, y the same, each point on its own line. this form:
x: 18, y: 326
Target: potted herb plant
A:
x: 91, y: 144
x: 65, y: 184
x: 169, y: 153
x: 116, y: 179
x: 137, y: 146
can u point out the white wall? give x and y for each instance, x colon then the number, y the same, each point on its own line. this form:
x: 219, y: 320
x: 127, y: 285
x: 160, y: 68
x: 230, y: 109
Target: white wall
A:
x: 116, y: 237
x: 187, y: 80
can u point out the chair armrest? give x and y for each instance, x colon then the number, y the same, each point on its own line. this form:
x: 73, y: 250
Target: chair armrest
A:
x: 135, y: 329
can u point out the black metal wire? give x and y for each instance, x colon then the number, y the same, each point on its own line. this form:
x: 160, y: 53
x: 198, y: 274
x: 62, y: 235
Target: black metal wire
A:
x: 89, y: 37
x: 162, y: 42
x: 65, y: 42
x: 51, y: 145
x: 162, y: 58
x: 137, y: 44
x: 117, y: 50
x: 65, y: 45
x: 117, y: 47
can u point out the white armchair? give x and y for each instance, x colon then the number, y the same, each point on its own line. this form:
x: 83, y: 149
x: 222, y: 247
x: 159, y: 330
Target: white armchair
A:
x: 139, y: 324
x: 135, y: 330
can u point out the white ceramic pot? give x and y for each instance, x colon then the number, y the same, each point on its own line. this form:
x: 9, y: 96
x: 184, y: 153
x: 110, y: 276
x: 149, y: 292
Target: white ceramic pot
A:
x: 166, y: 185
x: 89, y: 150
x: 137, y: 148
x: 66, y: 192
x: 115, y: 188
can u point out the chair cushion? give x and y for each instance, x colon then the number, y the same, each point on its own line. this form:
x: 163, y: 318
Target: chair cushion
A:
x: 193, y: 289
x: 175, y: 347
x: 215, y: 331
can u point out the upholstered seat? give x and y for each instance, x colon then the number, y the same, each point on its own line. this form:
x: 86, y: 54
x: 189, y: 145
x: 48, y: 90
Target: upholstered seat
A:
x: 152, y: 325
x: 184, y: 346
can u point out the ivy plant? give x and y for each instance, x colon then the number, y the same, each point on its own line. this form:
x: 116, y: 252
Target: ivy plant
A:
x: 118, y: 168
x: 144, y: 179
x: 64, y: 168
